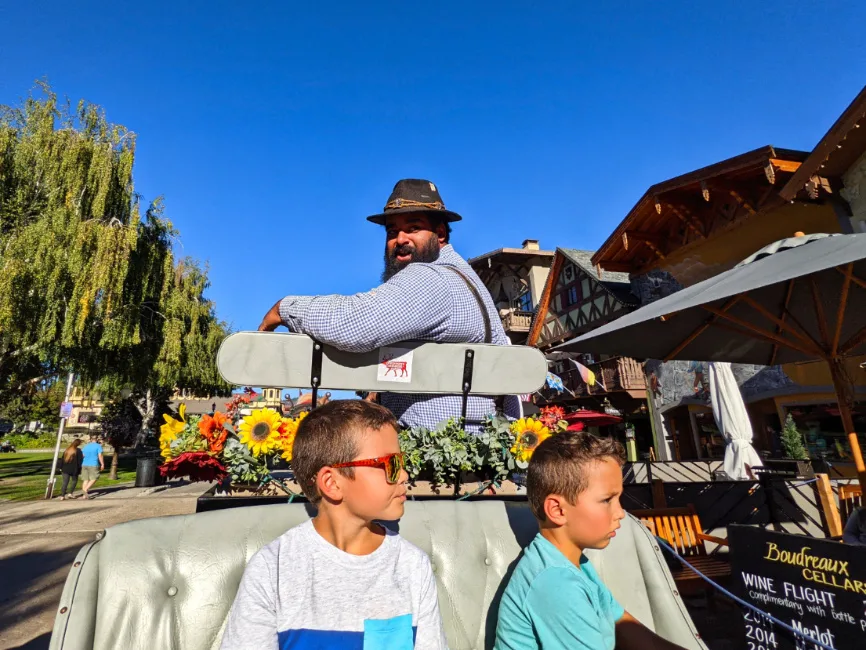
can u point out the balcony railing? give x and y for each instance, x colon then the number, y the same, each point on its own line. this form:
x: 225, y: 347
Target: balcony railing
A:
x: 517, y: 321
x: 612, y: 375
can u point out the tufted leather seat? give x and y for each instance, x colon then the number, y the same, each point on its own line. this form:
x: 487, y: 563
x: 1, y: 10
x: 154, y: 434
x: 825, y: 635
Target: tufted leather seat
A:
x: 169, y: 582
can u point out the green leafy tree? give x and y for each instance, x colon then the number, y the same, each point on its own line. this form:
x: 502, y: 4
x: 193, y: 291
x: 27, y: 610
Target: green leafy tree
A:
x: 792, y: 440
x: 69, y: 221
x: 87, y: 283
x: 39, y: 405
x: 178, y: 336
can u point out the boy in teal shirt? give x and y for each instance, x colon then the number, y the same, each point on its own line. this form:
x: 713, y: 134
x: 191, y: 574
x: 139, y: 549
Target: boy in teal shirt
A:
x: 555, y: 599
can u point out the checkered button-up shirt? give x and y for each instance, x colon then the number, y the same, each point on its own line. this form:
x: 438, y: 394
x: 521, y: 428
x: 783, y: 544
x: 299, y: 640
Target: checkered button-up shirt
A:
x: 424, y: 301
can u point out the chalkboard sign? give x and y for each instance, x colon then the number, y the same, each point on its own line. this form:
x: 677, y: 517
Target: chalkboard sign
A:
x: 816, y: 586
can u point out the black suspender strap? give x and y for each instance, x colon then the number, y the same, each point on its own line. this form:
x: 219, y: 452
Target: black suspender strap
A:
x: 488, y: 338
x: 488, y: 332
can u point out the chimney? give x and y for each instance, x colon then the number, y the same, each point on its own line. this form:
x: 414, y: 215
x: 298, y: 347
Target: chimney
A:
x: 530, y: 244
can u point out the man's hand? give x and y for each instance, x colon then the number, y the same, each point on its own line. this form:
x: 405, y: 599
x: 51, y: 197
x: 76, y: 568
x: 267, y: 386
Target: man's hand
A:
x: 272, y: 319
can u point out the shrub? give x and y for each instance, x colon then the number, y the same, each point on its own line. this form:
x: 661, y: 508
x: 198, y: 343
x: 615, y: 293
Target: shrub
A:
x: 792, y: 440
x: 36, y: 440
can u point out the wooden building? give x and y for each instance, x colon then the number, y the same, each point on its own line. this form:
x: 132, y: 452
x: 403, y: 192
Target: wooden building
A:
x: 693, y: 227
x: 515, y: 278
x: 576, y: 300
x: 836, y: 168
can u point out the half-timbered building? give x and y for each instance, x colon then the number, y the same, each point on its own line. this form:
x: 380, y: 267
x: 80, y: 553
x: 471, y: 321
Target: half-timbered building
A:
x: 515, y: 278
x: 576, y: 300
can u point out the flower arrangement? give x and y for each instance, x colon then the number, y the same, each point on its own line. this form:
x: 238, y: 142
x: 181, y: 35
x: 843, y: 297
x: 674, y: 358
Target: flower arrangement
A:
x: 227, y: 445
x: 235, y: 448
x: 501, y: 448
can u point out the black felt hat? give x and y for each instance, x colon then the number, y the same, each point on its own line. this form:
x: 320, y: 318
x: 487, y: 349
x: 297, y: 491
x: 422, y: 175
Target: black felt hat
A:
x: 415, y: 195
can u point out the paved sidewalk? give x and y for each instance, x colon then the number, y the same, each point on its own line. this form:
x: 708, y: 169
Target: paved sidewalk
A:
x: 39, y: 540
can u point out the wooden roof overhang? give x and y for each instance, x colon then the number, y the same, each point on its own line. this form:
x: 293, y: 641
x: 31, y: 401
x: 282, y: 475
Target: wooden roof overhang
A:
x: 687, y: 209
x: 509, y: 256
x: 837, y: 151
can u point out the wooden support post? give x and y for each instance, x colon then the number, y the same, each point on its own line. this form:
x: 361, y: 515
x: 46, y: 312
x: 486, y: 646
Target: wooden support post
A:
x: 659, y: 500
x: 845, y: 395
x: 828, y: 505
x: 840, y: 314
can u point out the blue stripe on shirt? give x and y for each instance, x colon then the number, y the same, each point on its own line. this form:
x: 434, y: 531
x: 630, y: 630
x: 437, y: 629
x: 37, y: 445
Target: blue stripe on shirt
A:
x: 304, y: 639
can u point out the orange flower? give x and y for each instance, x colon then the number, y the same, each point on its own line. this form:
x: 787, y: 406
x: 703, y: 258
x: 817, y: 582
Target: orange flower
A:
x: 288, y: 429
x: 213, y: 430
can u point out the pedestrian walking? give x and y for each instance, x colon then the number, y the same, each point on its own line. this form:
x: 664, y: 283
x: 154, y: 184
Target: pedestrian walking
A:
x: 91, y: 465
x: 71, y: 468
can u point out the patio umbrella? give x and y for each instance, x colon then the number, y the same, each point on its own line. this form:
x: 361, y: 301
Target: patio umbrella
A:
x: 731, y: 417
x: 799, y: 299
x: 591, y: 418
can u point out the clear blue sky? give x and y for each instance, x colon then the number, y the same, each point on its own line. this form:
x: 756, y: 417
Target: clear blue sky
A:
x: 274, y: 128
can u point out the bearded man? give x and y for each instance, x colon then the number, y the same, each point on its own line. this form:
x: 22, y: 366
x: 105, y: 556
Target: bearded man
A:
x: 428, y: 292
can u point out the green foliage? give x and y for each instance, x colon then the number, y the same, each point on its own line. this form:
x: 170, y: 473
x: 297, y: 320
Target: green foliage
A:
x: 242, y: 466
x: 792, y: 440
x: 448, y: 450
x: 445, y: 451
x: 68, y: 222
x: 87, y: 283
x: 492, y: 449
x: 42, y: 405
x: 35, y: 440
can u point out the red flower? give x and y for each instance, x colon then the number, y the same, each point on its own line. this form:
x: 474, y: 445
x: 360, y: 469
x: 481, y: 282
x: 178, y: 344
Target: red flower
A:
x: 550, y: 415
x: 198, y: 465
x: 213, y: 430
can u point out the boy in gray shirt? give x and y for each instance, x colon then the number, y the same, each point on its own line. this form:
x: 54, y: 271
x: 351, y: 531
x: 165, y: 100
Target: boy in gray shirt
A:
x: 341, y: 580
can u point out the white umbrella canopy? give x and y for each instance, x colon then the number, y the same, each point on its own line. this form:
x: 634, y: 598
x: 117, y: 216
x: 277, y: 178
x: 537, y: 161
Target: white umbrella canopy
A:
x: 731, y: 417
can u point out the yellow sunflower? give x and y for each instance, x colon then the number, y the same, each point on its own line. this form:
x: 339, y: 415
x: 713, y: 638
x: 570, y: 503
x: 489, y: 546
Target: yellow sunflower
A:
x: 288, y: 430
x: 530, y: 433
x: 170, y: 431
x: 260, y: 431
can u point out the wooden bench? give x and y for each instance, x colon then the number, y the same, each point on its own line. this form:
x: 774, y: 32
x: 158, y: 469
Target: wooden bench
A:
x: 850, y: 498
x: 681, y: 528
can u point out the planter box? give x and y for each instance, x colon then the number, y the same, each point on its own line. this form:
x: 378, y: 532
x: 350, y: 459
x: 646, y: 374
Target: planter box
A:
x: 429, y: 489
x: 243, y: 496
x: 789, y: 467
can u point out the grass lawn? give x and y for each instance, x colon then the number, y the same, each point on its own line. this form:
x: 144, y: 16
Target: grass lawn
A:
x: 24, y: 476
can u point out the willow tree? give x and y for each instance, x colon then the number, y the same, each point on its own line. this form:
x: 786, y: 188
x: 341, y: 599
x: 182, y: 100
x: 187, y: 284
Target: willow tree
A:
x: 176, y: 338
x: 69, y: 222
x: 88, y: 283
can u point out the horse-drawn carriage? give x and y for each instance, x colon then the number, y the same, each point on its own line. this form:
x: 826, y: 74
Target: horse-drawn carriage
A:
x: 169, y: 582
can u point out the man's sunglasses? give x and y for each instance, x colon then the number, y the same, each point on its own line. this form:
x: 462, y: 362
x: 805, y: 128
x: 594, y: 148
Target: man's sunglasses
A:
x: 393, y: 464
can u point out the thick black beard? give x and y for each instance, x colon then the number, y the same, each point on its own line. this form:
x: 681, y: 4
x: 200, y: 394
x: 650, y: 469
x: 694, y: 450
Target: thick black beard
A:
x: 428, y: 253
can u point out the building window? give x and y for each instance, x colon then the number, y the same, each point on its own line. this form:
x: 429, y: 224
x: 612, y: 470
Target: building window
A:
x: 524, y: 301
x: 572, y: 296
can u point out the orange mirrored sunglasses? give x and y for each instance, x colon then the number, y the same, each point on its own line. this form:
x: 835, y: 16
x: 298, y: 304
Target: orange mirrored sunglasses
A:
x: 393, y: 464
